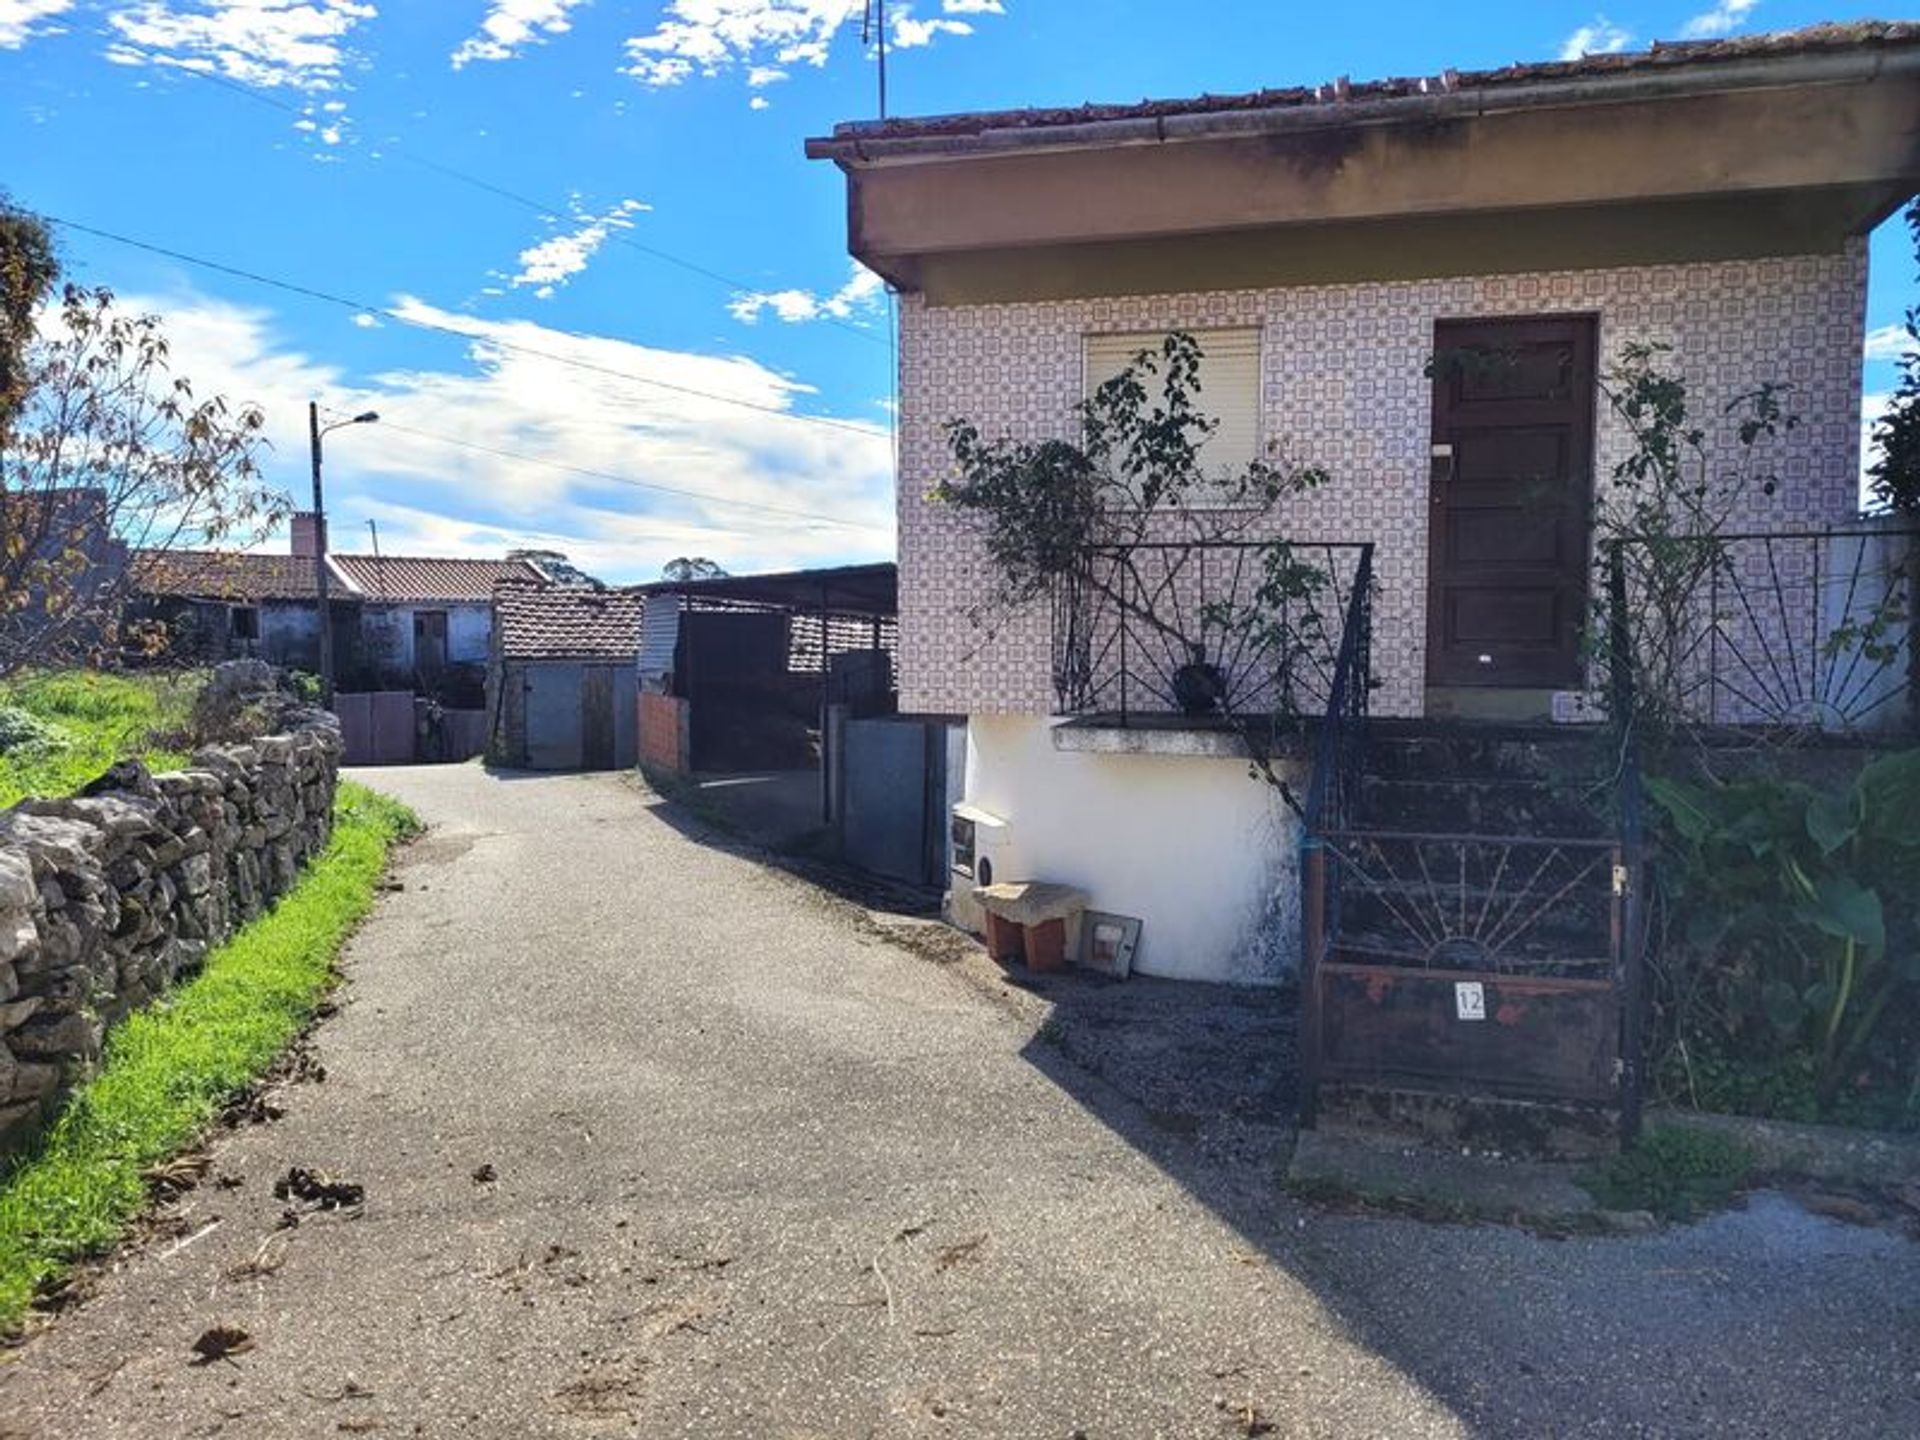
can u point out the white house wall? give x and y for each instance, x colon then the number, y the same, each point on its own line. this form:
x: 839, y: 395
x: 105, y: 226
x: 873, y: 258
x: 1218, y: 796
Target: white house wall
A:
x: 1342, y: 387
x: 1200, y: 852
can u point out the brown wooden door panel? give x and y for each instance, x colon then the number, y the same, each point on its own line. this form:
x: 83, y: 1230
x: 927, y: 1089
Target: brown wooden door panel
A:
x: 1510, y: 504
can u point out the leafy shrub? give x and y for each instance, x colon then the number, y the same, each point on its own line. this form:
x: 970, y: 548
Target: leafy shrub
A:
x: 1792, y: 967
x: 24, y: 733
x: 1675, y: 1173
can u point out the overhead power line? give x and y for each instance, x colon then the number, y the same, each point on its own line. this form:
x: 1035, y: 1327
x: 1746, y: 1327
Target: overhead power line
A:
x: 538, y: 206
x: 363, y: 307
x: 705, y: 497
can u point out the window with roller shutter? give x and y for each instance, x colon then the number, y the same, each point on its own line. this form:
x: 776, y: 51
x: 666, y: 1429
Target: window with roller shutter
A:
x: 1229, y: 387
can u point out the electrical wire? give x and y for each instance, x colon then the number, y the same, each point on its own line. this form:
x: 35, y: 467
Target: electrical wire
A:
x: 400, y: 151
x: 362, y: 307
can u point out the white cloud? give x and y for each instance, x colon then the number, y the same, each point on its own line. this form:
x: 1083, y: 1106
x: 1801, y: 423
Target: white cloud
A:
x: 437, y: 498
x: 511, y: 24
x: 1601, y: 37
x: 909, y: 33
x: 296, y: 44
x: 366, y: 321
x: 973, y: 7
x: 759, y: 102
x: 763, y: 75
x: 557, y: 259
x: 1889, y: 342
x: 23, y: 20
x: 706, y: 37
x: 1873, y: 405
x: 861, y: 294
x: 1723, y: 19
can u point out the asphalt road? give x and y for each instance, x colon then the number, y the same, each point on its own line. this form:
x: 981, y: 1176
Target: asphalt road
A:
x: 756, y: 1171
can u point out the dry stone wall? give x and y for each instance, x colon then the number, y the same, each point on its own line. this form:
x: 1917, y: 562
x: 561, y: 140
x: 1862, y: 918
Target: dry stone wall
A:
x: 108, y: 897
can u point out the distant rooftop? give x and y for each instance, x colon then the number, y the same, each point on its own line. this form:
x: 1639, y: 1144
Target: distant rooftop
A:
x: 538, y: 622
x: 1701, y: 55
x: 419, y: 577
x: 223, y: 575
x: 247, y: 576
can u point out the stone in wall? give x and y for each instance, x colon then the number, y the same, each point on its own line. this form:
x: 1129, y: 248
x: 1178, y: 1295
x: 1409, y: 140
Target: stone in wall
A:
x: 110, y: 896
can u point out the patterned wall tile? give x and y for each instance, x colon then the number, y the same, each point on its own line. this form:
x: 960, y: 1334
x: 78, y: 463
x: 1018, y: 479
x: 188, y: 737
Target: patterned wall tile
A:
x: 1342, y: 387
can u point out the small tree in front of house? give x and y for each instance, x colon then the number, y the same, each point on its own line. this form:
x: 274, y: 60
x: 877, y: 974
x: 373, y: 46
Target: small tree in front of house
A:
x: 1074, y: 521
x: 104, y: 450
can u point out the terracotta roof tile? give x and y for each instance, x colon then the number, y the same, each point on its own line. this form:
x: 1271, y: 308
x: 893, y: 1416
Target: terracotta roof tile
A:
x: 420, y: 577
x: 538, y: 622
x: 222, y: 575
x: 1813, y: 39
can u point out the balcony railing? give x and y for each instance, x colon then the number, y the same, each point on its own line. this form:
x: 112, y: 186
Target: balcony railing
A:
x: 1210, y: 632
x: 1808, y: 631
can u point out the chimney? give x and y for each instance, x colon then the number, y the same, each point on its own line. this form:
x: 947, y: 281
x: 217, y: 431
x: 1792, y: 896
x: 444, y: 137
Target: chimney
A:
x: 308, y: 529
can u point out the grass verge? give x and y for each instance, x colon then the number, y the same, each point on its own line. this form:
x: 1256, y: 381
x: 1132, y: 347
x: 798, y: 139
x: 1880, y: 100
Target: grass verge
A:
x: 169, y: 1068
x: 61, y: 729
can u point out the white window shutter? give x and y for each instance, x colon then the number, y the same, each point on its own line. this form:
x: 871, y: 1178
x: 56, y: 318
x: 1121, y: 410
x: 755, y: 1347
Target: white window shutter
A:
x: 1229, y: 387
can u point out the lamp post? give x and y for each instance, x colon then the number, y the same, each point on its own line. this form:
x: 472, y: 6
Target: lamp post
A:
x: 314, y: 431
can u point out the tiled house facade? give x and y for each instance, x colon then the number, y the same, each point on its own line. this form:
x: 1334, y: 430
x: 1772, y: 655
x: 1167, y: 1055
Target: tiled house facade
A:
x: 1343, y: 387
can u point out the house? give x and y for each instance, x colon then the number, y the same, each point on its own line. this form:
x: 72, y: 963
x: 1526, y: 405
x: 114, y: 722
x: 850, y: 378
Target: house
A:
x: 1324, y: 245
x: 400, y: 622
x: 561, y: 677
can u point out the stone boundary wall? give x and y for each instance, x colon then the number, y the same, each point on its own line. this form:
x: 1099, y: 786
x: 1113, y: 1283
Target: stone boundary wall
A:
x: 108, y: 897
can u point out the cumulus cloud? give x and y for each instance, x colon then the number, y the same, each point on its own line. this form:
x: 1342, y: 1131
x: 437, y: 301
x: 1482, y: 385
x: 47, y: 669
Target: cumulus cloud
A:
x: 511, y: 25
x: 706, y: 37
x: 861, y: 294
x: 274, y: 44
x: 1723, y: 19
x: 557, y: 259
x: 1889, y: 342
x: 433, y: 497
x: 1600, y: 37
x: 23, y: 20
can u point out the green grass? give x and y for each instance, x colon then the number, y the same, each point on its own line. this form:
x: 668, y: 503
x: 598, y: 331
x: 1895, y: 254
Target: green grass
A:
x: 169, y: 1069
x: 1675, y: 1173
x: 60, y: 730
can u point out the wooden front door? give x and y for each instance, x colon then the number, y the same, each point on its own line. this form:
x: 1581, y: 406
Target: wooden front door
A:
x: 1511, y: 489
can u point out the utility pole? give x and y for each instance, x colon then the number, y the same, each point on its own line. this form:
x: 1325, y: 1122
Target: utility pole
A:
x: 320, y: 560
x: 314, y: 432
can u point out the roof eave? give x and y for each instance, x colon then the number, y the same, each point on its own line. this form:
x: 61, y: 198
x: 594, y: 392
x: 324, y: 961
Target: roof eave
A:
x: 853, y: 145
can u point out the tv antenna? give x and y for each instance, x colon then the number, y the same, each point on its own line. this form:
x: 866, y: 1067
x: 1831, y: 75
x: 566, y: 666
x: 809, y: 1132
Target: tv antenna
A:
x: 873, y: 30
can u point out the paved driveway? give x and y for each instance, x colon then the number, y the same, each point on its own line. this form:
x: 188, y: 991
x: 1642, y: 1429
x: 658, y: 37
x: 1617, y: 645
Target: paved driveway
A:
x: 758, y: 1172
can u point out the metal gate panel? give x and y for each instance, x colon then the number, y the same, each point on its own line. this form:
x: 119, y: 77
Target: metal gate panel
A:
x: 895, y: 777
x: 555, y: 735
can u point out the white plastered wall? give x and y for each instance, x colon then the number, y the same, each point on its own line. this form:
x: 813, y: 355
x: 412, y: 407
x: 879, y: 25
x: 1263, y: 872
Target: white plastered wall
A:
x: 1202, y: 853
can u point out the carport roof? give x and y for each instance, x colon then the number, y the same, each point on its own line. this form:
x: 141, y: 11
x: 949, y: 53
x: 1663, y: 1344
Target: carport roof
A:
x: 844, y: 590
x: 572, y: 622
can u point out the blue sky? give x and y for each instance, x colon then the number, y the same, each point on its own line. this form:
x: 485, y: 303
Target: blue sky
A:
x: 362, y: 147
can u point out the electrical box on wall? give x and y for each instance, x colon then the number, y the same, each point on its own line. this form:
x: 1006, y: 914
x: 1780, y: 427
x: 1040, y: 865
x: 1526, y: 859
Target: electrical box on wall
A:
x: 982, y: 853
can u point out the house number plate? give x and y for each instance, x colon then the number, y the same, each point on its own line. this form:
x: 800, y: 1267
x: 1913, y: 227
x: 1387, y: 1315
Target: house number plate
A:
x: 1470, y: 1000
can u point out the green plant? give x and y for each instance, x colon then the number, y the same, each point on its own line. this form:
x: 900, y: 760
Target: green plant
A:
x: 169, y: 1068
x: 1799, y: 930
x: 1074, y: 520
x: 1677, y: 1173
x: 90, y: 720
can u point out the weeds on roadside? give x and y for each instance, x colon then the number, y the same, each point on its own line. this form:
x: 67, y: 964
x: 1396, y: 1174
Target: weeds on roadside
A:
x: 170, y: 1068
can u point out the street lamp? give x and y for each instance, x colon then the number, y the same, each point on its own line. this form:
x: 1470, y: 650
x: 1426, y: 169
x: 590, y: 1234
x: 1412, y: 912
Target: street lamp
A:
x: 314, y: 431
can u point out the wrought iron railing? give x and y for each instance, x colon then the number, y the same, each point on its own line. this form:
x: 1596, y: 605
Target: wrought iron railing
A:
x: 1807, y: 631
x: 1217, y: 630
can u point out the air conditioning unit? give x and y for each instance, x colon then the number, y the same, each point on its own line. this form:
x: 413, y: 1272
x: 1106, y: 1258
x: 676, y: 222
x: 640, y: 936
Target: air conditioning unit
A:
x: 981, y: 852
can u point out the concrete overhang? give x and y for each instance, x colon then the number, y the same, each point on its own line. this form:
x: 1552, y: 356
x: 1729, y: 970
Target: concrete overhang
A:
x: 1790, y: 153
